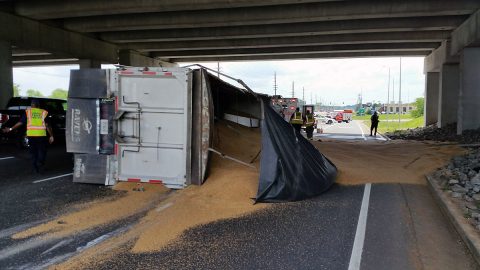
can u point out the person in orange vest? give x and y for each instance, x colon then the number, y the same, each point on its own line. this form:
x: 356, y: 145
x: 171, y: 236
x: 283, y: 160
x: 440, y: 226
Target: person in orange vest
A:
x: 296, y: 120
x: 309, y: 123
x: 37, y: 128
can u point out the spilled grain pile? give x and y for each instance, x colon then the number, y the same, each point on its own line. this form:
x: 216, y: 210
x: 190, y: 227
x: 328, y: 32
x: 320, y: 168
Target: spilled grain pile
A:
x: 99, y: 213
x: 227, y: 193
x: 386, y: 162
x: 229, y: 187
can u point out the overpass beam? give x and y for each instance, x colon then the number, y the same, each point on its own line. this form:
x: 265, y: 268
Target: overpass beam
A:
x: 467, y: 34
x: 135, y: 59
x: 6, y: 73
x: 448, y: 96
x: 89, y: 63
x: 469, y: 96
x: 431, y: 98
x: 439, y: 57
x: 26, y: 33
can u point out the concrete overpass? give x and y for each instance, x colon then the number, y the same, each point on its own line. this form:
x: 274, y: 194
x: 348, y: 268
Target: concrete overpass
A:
x: 149, y: 33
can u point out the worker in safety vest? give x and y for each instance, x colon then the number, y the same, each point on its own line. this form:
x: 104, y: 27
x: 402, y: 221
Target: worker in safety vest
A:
x: 37, y: 128
x: 296, y: 120
x: 309, y: 123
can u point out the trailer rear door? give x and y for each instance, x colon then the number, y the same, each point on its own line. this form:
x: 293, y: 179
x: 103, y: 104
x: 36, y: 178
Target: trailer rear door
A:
x: 154, y: 126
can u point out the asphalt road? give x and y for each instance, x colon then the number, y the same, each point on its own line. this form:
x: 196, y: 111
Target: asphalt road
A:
x: 25, y: 203
x: 354, y: 130
x: 402, y: 228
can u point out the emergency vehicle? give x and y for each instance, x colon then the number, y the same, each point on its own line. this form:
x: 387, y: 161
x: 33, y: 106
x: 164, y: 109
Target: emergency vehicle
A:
x: 285, y: 106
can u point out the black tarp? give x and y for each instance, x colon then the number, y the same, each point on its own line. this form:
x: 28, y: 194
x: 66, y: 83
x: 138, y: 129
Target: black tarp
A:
x: 292, y: 168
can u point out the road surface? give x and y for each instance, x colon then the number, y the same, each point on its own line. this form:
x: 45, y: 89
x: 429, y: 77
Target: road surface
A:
x: 380, y: 226
x: 354, y: 130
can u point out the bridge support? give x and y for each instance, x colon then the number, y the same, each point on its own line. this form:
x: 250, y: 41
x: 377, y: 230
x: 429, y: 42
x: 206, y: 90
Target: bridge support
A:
x: 432, y: 91
x: 469, y: 97
x: 448, y: 95
x: 6, y: 73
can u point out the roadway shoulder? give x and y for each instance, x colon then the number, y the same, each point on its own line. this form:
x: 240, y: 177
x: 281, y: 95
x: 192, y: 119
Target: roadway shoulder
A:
x: 467, y: 232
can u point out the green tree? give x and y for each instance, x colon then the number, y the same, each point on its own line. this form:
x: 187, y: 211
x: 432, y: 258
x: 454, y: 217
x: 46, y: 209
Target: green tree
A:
x: 419, y: 104
x: 16, y: 90
x: 59, y: 93
x: 34, y: 93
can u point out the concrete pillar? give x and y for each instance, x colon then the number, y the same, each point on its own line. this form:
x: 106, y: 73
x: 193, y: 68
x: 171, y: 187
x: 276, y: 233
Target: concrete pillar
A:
x: 431, y: 98
x: 89, y: 63
x: 469, y: 97
x: 6, y: 73
x: 448, y: 95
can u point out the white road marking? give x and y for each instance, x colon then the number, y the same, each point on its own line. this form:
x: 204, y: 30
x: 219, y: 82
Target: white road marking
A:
x: 28, y: 245
x: 52, y: 178
x: 3, y: 158
x: 361, y: 129
x: 163, y: 207
x: 102, y: 238
x: 357, y: 249
x: 13, y: 230
x: 383, y: 138
x: 57, y: 245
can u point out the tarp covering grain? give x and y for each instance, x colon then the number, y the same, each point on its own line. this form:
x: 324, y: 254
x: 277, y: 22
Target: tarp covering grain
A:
x: 291, y: 168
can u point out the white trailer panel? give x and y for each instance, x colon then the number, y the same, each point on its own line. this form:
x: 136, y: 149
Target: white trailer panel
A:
x: 155, y: 126
x: 165, y: 165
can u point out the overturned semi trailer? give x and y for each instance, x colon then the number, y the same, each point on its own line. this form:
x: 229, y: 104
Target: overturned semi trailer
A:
x: 156, y: 125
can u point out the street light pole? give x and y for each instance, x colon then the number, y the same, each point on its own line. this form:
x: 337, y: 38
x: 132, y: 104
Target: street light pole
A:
x: 388, y: 99
x: 400, y: 93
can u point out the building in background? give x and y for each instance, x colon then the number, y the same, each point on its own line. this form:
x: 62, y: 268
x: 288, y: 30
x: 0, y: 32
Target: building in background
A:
x: 394, y: 108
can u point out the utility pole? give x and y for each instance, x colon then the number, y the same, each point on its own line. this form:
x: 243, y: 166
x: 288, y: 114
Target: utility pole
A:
x: 388, y: 98
x: 400, y: 92
x: 393, y: 92
x: 218, y: 69
x: 311, y: 98
x: 275, y: 83
x: 293, y: 89
x: 303, y: 94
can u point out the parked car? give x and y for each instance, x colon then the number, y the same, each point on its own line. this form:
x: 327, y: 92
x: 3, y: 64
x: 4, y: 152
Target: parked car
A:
x: 16, y: 107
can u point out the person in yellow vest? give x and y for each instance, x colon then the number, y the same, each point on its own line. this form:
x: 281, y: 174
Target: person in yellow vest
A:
x: 296, y: 120
x: 309, y: 123
x: 37, y: 128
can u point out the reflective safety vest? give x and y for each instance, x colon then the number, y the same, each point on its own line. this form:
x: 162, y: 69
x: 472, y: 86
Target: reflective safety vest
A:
x: 297, y: 118
x: 310, y: 120
x: 36, y: 122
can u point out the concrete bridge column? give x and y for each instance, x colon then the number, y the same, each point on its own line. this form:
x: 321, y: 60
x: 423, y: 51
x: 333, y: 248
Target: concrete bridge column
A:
x: 469, y: 96
x: 432, y: 91
x: 89, y: 63
x: 448, y: 95
x: 6, y: 73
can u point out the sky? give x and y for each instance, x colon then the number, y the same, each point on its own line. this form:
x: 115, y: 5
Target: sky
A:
x: 330, y: 81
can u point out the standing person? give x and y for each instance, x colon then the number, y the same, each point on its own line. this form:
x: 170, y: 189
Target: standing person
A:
x: 296, y: 120
x: 309, y: 122
x: 374, y: 120
x: 37, y: 128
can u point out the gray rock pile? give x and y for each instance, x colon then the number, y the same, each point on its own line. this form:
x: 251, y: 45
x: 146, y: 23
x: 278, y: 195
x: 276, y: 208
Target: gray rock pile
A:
x: 461, y: 179
x: 432, y: 133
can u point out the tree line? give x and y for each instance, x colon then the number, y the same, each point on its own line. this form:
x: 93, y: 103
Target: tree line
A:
x: 57, y: 93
